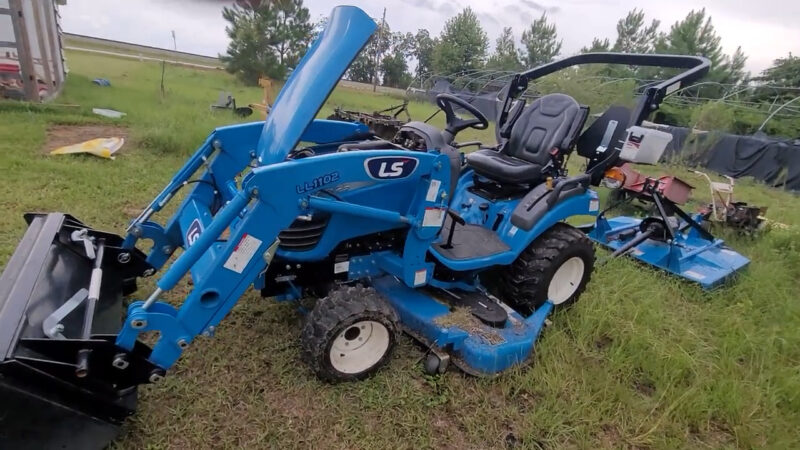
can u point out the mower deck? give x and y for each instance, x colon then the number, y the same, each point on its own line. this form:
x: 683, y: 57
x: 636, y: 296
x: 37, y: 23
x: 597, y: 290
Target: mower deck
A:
x: 689, y: 256
x: 475, y: 347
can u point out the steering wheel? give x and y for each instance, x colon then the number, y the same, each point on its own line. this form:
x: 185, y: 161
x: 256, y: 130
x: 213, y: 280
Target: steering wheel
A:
x: 454, y: 123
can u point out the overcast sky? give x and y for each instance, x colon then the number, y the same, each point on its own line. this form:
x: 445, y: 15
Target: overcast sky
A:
x: 765, y: 29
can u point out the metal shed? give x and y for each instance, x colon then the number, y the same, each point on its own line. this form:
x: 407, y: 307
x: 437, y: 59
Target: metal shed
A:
x: 31, y: 60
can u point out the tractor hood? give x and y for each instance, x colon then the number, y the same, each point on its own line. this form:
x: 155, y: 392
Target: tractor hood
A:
x: 348, y: 30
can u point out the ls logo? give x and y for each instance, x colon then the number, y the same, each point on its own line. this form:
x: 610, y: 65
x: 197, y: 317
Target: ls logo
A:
x: 193, y: 232
x: 390, y: 167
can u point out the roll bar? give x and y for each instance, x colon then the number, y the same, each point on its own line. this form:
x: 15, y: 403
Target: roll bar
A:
x: 696, y: 68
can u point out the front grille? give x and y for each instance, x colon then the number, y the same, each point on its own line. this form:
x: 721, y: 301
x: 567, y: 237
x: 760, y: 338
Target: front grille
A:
x: 303, y: 234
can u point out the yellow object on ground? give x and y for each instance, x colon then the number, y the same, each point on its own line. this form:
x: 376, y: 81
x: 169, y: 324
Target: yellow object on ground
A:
x: 102, y: 147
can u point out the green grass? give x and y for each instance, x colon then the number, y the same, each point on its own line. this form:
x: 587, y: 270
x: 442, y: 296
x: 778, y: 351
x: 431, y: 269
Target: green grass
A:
x: 643, y: 360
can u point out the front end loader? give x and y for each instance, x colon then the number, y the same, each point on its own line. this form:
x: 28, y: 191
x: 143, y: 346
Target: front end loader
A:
x: 469, y: 255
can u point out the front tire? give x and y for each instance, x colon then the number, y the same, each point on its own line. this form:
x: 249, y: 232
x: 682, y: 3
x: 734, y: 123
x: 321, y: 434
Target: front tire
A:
x: 349, y: 335
x: 557, y: 266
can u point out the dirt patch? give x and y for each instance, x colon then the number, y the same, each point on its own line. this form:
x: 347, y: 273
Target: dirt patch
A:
x: 603, y: 342
x: 61, y: 135
x: 645, y: 387
x: 131, y: 211
x: 643, y: 384
x: 714, y: 435
x: 610, y: 436
x: 463, y: 318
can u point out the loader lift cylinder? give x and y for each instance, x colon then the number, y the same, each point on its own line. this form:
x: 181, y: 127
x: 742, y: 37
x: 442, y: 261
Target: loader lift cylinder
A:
x: 82, y: 368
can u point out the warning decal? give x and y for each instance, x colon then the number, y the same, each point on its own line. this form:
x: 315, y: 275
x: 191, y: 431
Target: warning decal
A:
x: 243, y: 253
x: 420, y: 277
x: 341, y: 267
x: 433, y: 190
x: 433, y: 217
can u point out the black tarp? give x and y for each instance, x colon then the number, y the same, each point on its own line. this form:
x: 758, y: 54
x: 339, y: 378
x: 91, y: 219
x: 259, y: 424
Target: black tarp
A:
x: 774, y: 161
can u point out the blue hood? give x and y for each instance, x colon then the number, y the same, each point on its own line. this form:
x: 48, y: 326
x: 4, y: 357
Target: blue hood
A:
x: 348, y: 30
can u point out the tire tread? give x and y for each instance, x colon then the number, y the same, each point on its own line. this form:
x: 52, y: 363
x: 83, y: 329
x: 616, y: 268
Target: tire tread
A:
x: 521, y: 284
x: 343, y: 305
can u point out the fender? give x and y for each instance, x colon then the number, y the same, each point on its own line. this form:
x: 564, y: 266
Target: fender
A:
x: 585, y: 204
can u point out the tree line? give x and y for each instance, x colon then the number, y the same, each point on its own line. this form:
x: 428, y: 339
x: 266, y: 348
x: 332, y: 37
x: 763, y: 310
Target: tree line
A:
x: 268, y: 37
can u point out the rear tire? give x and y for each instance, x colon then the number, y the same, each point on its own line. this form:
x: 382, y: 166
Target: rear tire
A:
x: 349, y: 335
x: 556, y: 267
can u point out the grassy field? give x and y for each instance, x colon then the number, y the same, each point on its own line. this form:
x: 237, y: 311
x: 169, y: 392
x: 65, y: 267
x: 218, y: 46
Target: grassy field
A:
x: 82, y: 42
x: 642, y: 361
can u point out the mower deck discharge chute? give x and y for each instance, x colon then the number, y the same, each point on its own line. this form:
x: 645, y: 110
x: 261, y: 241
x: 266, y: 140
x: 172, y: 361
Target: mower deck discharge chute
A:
x: 467, y: 254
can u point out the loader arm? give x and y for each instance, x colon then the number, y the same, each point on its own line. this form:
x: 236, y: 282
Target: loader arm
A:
x: 269, y: 199
x: 225, y: 154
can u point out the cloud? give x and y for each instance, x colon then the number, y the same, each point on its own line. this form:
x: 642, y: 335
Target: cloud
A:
x: 445, y: 7
x: 486, y: 17
x: 448, y: 8
x: 539, y: 7
x: 514, y: 10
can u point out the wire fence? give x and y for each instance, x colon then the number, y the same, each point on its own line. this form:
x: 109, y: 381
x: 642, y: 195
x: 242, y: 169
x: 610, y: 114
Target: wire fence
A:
x: 770, y: 101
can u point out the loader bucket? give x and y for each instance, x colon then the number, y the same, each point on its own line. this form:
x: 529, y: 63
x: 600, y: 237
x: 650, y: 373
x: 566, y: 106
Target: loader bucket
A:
x: 62, y: 380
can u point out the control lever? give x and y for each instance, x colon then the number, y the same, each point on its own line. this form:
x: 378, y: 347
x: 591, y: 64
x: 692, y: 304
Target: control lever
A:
x: 467, y: 144
x: 455, y: 218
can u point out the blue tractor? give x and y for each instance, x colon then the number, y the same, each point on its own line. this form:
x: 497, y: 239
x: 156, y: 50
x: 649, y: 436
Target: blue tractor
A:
x: 468, y: 255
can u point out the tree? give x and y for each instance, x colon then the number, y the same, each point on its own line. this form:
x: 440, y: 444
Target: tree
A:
x: 597, y: 46
x: 506, y: 56
x: 318, y: 27
x: 736, y: 66
x: 462, y: 44
x: 540, y: 42
x: 423, y: 49
x: 784, y: 72
x: 267, y: 37
x: 363, y: 67
x: 695, y: 35
x: 633, y: 36
x: 394, y: 67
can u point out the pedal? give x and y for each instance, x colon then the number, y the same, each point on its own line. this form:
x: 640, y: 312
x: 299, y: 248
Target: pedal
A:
x: 482, y: 307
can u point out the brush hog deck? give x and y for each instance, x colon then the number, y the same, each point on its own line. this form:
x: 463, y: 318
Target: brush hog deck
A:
x: 60, y: 309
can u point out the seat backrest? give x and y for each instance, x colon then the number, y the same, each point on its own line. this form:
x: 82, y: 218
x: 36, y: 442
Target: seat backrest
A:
x: 545, y: 124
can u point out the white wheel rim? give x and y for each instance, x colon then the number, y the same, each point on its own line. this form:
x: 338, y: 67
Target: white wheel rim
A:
x: 359, y: 347
x: 566, y: 280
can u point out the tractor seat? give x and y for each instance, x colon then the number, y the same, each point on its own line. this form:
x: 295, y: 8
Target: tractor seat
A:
x: 550, y: 124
